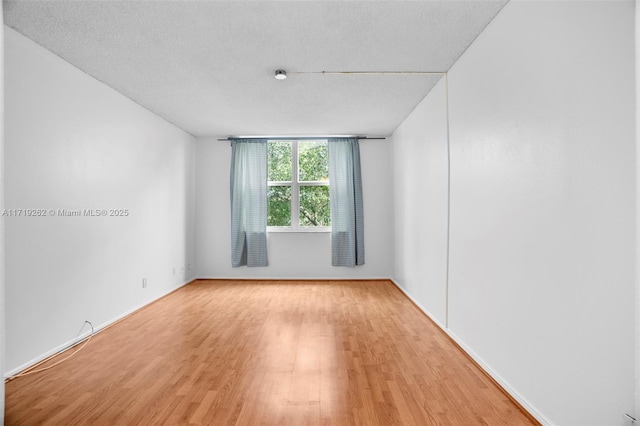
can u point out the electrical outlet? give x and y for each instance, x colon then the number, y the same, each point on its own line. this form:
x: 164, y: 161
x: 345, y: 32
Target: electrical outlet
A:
x: 628, y: 420
x: 144, y: 283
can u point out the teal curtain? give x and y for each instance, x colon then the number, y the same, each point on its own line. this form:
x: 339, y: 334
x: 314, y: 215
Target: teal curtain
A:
x: 347, y: 216
x: 249, y: 202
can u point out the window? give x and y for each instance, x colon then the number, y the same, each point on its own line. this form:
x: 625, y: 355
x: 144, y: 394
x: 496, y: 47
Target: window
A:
x: 298, y: 186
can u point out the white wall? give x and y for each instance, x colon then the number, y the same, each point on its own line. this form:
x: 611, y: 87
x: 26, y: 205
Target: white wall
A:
x: 637, y: 356
x: 541, y: 260
x: 420, y: 153
x: 74, y: 143
x: 2, y: 263
x: 291, y: 255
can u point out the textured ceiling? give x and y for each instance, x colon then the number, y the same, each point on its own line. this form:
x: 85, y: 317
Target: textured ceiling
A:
x: 208, y: 66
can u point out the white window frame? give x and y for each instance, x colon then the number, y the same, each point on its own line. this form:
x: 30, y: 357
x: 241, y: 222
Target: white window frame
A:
x: 295, y: 185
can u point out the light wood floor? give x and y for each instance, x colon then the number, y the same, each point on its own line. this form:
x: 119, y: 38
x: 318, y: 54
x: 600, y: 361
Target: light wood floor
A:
x: 267, y: 353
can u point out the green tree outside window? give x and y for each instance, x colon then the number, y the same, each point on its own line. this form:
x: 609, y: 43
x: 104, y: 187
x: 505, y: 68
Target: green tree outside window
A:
x: 298, y: 173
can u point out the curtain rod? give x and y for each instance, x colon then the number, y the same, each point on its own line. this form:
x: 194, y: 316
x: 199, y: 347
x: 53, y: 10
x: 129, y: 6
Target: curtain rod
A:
x: 272, y: 137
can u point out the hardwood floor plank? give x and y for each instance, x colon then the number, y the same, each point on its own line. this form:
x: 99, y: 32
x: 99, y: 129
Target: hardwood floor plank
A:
x: 233, y: 352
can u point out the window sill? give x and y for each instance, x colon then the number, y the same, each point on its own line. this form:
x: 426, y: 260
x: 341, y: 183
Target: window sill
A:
x: 301, y: 230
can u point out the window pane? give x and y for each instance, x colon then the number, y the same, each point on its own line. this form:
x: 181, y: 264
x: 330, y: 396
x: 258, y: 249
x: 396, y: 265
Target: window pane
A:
x: 313, y: 161
x: 314, y: 206
x: 279, y: 161
x: 279, y: 208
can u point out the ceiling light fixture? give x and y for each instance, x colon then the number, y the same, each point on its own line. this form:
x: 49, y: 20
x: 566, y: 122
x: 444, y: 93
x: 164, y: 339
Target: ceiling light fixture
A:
x: 281, y: 75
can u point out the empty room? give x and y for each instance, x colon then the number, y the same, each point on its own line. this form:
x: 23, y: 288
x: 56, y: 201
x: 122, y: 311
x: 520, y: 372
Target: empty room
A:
x: 319, y: 213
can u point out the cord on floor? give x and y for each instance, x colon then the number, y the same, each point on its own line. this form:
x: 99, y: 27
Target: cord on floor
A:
x: 38, y: 370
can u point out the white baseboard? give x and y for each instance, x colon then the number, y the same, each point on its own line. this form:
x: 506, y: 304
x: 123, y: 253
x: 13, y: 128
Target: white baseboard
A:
x: 72, y: 342
x: 296, y: 278
x: 487, y: 369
